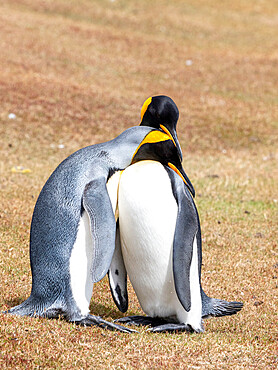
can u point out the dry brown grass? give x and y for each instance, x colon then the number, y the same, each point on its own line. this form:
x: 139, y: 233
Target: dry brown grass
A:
x: 75, y: 73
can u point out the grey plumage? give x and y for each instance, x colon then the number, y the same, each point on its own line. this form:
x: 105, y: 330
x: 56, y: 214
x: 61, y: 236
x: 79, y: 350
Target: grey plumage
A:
x: 77, y: 185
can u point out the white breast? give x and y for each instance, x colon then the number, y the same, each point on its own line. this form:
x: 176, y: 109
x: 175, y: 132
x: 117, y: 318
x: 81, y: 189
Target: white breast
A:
x: 80, y: 265
x: 147, y: 213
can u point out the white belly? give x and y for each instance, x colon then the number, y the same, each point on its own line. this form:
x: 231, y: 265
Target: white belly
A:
x: 147, y: 216
x: 80, y: 266
x: 148, y: 213
x: 83, y: 251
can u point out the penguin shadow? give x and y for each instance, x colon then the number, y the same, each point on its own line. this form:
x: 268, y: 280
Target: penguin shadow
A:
x: 99, y: 309
x: 13, y: 302
x: 105, y: 312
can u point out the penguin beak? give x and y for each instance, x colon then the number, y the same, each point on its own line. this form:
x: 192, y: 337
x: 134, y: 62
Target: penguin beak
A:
x: 184, y: 177
x: 174, y: 138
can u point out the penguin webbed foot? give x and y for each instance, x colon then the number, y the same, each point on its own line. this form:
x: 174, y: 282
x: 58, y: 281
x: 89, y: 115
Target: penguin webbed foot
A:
x: 138, y: 320
x: 171, y: 328
x: 157, y: 324
x: 91, y: 320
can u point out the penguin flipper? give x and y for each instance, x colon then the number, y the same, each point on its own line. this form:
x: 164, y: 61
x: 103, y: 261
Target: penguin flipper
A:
x: 97, y: 204
x: 118, y: 277
x: 185, y: 235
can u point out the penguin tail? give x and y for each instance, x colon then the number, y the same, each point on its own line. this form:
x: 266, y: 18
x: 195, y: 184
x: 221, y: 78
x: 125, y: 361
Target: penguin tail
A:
x: 24, y: 309
x: 213, y: 307
x: 51, y: 309
x: 30, y: 307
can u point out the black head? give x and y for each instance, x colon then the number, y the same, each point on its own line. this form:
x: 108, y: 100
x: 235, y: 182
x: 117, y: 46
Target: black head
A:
x: 159, y: 146
x: 161, y: 112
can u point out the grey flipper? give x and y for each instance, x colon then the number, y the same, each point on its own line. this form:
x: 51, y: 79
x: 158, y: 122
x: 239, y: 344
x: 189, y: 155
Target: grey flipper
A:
x: 213, y: 307
x: 97, y: 204
x: 187, y: 227
x: 185, y: 233
x: 118, y: 277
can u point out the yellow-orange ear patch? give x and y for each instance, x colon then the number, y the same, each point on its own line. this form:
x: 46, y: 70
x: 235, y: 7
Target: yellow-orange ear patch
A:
x: 153, y: 137
x: 145, y: 107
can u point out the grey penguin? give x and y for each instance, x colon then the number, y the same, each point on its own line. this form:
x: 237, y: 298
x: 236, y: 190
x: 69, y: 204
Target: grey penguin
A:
x: 159, y: 247
x: 73, y: 228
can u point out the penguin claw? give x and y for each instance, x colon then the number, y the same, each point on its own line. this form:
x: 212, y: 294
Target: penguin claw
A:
x: 92, y: 320
x: 171, y: 328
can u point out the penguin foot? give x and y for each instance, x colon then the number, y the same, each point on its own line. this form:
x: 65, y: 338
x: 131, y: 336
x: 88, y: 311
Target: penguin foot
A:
x: 141, y: 320
x: 158, y: 325
x: 171, y: 328
x: 91, y: 320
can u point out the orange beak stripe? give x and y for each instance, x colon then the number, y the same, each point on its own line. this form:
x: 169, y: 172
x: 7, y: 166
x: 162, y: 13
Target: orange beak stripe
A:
x: 177, y: 171
x: 168, y: 133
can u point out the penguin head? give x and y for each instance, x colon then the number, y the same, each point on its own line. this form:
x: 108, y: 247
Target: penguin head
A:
x: 159, y: 146
x: 161, y: 112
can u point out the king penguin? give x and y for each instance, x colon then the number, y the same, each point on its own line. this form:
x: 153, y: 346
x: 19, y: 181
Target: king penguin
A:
x: 159, y: 245
x: 73, y: 228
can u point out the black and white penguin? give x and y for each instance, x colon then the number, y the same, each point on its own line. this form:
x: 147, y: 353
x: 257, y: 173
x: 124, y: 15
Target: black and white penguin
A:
x: 73, y: 229
x: 159, y: 247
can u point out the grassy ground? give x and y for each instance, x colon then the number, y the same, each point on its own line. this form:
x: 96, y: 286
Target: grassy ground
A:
x: 76, y: 73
